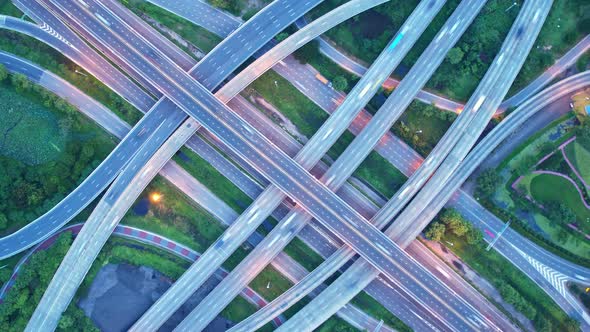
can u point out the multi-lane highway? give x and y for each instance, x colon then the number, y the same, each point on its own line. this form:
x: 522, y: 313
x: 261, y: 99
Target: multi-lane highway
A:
x: 521, y: 252
x: 479, y: 154
x: 566, y: 61
x: 355, y: 153
x: 506, y: 65
x: 48, y: 232
x: 393, y: 300
x: 307, y: 157
x: 245, y: 141
x: 290, y: 14
x: 196, y: 191
x: 221, y: 23
x: 146, y: 237
x: 62, y: 38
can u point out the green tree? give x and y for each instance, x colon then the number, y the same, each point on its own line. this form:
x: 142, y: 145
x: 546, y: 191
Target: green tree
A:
x: 340, y: 83
x: 309, y: 51
x: 3, y: 221
x: 282, y: 36
x: 543, y: 324
x: 5, y: 274
x: 525, y: 164
x: 66, y: 322
x: 571, y: 325
x: 455, y: 55
x: 454, y: 222
x: 20, y: 82
x: 435, y: 231
x: 559, y: 212
x: 473, y: 235
x: 487, y: 182
x: 545, y: 147
x: 583, y: 135
x: 3, y: 73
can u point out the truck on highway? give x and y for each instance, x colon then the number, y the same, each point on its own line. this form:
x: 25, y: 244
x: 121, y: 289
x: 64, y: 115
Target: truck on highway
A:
x: 323, y: 79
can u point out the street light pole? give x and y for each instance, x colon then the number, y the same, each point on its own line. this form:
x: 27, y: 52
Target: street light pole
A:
x: 512, y: 5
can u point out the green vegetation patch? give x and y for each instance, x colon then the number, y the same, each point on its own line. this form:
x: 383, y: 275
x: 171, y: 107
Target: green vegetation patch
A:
x: 48, y: 58
x: 422, y: 126
x: 543, y: 190
x: 33, y: 279
x: 198, y: 36
x: 546, y: 314
x: 580, y: 158
x: 562, y: 236
x: 29, y: 132
x: 47, y: 148
x: 9, y: 9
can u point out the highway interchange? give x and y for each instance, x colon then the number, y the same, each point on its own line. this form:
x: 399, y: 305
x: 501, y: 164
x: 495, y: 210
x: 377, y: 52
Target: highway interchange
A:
x: 390, y: 302
x: 146, y: 79
x: 173, y: 173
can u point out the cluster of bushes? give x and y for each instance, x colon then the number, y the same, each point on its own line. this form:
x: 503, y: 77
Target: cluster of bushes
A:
x: 33, y: 279
x: 422, y: 126
x: 452, y: 221
x: 232, y: 6
x: 27, y: 191
x: 125, y: 254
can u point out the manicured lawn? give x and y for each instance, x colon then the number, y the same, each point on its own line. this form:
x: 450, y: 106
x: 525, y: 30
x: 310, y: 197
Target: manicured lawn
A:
x: 580, y: 158
x: 543, y: 188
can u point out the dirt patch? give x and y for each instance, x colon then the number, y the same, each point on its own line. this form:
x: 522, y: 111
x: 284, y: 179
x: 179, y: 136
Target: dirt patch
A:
x: 278, y: 118
x: 121, y: 293
x: 197, y: 52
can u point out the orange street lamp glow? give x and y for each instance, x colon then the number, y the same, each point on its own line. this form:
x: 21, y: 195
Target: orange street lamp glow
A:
x: 156, y: 197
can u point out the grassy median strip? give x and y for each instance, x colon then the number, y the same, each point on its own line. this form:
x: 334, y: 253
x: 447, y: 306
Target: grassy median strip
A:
x: 308, y: 117
x: 196, y: 35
